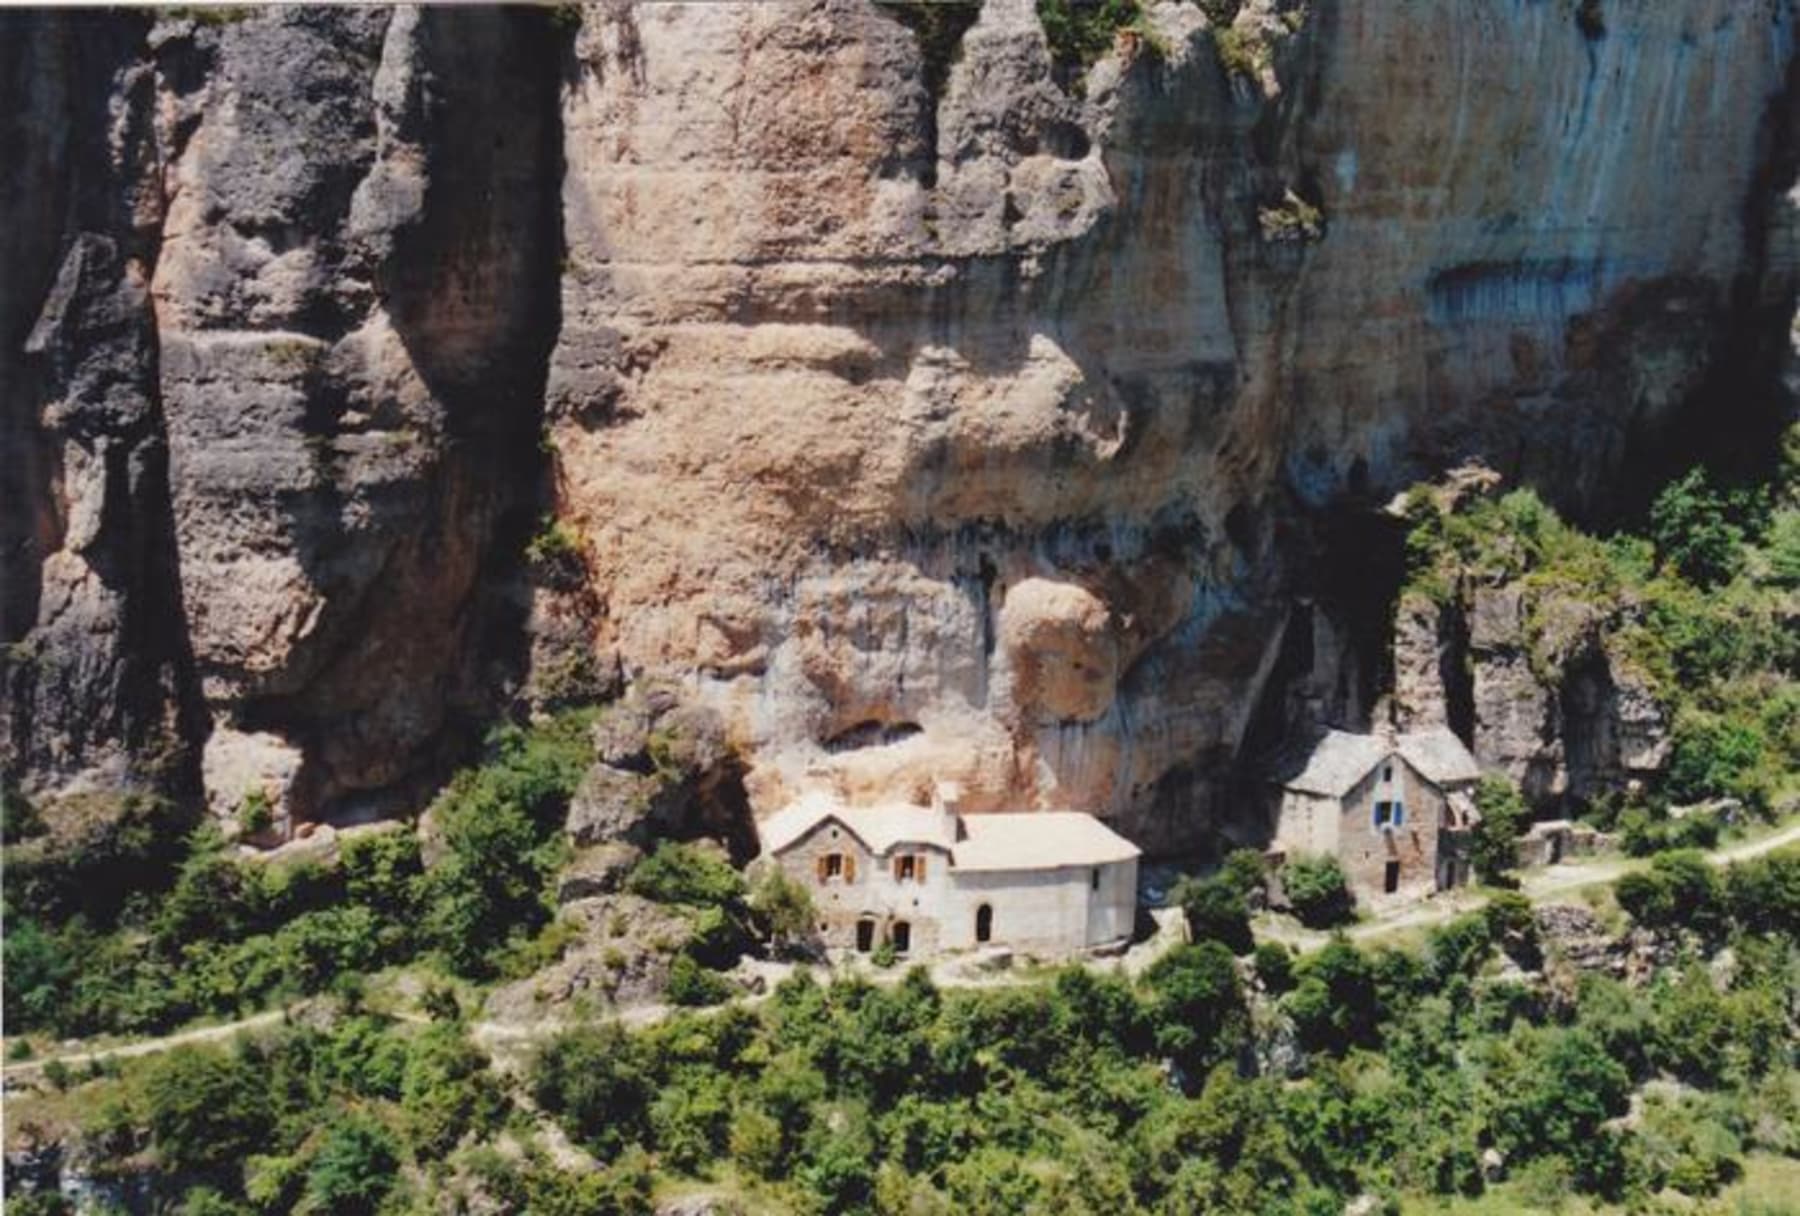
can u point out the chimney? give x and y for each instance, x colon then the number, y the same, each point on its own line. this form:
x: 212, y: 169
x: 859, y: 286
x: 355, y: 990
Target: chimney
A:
x: 945, y: 795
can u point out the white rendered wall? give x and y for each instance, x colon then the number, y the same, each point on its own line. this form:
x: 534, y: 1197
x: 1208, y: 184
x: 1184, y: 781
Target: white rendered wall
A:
x: 1053, y: 911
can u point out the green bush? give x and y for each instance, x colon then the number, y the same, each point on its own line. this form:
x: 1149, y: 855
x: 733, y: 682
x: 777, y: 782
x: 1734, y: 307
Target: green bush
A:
x: 1216, y: 910
x: 596, y: 1083
x: 1196, y: 1007
x: 354, y: 1168
x: 782, y: 908
x: 686, y: 874
x: 1692, y: 527
x: 1494, y: 849
x: 692, y: 984
x: 501, y: 829
x: 1081, y: 31
x: 206, y: 1109
x: 1318, y: 891
x: 1274, y: 967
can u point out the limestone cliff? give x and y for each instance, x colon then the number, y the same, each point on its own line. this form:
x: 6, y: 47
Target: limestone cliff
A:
x: 927, y: 407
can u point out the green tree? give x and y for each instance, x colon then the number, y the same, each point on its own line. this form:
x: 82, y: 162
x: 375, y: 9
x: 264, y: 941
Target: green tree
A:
x: 1692, y: 529
x: 1197, y: 1013
x: 1495, y: 844
x: 783, y: 908
x: 596, y: 1083
x: 206, y: 1109
x: 354, y: 1168
x: 446, y: 1089
x: 680, y: 873
x: 1216, y: 910
x: 1318, y: 891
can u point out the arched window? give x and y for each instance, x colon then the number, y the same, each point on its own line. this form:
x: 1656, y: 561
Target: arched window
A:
x: 984, y: 923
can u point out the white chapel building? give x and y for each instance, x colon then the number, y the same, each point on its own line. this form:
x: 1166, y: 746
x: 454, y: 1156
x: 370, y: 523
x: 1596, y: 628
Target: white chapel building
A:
x: 929, y: 879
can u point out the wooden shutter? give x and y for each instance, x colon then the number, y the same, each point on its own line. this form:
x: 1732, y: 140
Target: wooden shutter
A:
x: 919, y: 868
x: 823, y: 860
x: 897, y: 864
x: 849, y: 867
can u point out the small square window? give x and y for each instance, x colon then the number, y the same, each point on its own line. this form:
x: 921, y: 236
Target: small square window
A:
x: 834, y: 865
x: 1387, y: 772
x: 906, y: 869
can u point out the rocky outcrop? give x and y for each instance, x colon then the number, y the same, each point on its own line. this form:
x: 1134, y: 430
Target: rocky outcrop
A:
x: 979, y: 418
x: 1539, y: 682
x: 289, y: 375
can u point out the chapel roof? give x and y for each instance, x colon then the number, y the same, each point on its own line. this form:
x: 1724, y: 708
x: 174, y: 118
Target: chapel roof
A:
x: 1336, y: 760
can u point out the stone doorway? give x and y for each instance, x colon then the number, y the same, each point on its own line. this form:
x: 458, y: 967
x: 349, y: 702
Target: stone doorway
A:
x: 1390, y: 878
x: 984, y: 923
x: 901, y: 936
x: 865, y: 935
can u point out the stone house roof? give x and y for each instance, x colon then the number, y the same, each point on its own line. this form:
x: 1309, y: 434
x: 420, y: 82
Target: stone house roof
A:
x: 880, y: 828
x: 1338, y: 759
x: 1038, y: 840
x: 1020, y: 840
x: 1333, y: 764
x: 1439, y: 755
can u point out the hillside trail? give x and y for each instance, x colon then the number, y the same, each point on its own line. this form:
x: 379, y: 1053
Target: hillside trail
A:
x: 1546, y: 884
x: 509, y: 1038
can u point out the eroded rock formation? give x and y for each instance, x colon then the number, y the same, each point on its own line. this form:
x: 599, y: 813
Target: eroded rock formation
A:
x: 976, y: 419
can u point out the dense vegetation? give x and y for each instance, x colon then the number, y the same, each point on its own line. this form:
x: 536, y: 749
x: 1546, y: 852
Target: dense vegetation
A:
x: 1232, y: 1076
x: 1701, y: 606
x: 1281, y: 1084
x: 205, y: 932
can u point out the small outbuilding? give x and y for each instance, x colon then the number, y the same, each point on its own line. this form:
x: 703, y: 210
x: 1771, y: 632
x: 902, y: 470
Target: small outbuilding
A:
x: 928, y: 879
x: 1394, y: 810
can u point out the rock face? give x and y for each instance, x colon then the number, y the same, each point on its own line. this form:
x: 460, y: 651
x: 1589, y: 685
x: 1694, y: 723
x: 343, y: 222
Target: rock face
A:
x: 982, y: 419
x: 287, y: 381
x: 1537, y: 682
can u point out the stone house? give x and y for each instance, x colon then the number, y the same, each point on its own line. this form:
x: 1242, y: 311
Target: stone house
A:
x: 1394, y: 810
x: 930, y: 879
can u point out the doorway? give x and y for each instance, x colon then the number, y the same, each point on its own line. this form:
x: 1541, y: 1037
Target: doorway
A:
x: 901, y: 936
x: 865, y: 936
x: 984, y: 923
x: 1390, y: 879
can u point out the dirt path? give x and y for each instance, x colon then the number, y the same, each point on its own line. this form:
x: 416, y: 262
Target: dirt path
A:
x: 1540, y: 885
x: 145, y: 1047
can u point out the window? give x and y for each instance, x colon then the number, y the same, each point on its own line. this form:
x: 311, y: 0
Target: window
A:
x: 865, y: 935
x: 837, y: 867
x: 1094, y: 879
x: 1387, y: 772
x: 901, y: 936
x: 984, y: 923
x: 1389, y: 814
x: 909, y: 867
x: 1390, y: 879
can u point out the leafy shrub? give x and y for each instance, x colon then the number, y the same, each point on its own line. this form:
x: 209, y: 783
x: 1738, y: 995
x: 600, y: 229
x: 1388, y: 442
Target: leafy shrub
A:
x: 692, y: 984
x: 206, y: 1109
x: 686, y: 874
x: 1216, y: 910
x: 1694, y: 534
x: 354, y: 1168
x: 1274, y: 967
x: 596, y: 1083
x: 783, y: 908
x: 1081, y: 31
x: 1318, y: 891
x: 1197, y: 1007
x: 1494, y: 849
x: 501, y: 829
